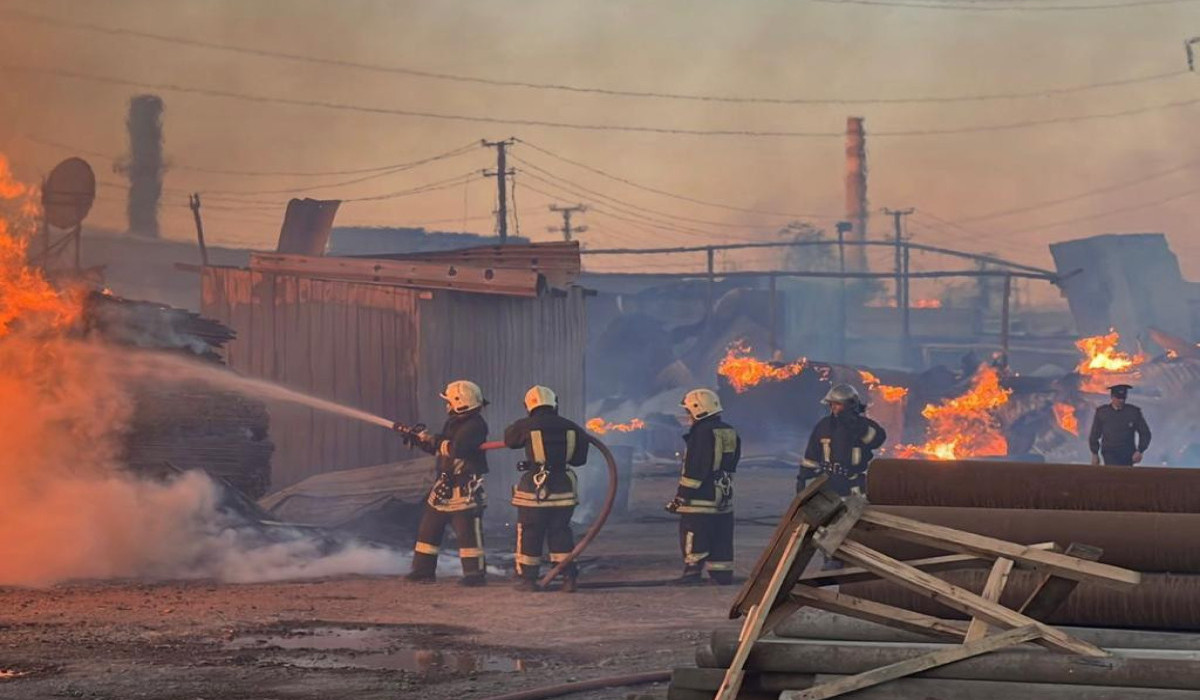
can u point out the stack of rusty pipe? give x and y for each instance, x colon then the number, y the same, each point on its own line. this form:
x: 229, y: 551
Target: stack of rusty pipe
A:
x: 1144, y: 518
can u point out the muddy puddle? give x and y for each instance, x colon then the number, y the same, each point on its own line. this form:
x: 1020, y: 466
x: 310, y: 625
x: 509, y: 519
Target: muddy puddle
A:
x: 385, y: 649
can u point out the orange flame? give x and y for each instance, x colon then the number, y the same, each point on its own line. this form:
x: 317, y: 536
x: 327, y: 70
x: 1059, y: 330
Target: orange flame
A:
x: 1064, y: 413
x: 1101, y: 355
x: 600, y: 426
x: 912, y: 304
x: 743, y: 371
x: 965, y: 426
x: 887, y: 392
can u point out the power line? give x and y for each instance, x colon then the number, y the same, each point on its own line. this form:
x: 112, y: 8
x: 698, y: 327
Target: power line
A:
x: 1110, y: 212
x: 582, y: 89
x: 574, y: 126
x: 647, y: 188
x: 1022, y: 7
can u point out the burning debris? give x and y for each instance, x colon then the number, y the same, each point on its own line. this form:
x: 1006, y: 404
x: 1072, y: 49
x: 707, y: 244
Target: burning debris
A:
x: 599, y: 426
x: 1064, y: 414
x: 1102, y: 361
x: 743, y: 371
x: 965, y: 426
x: 889, y: 394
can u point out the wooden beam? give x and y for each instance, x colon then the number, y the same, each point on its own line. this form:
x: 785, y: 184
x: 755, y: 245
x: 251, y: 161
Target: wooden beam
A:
x: 830, y: 537
x: 880, y: 614
x: 946, y: 562
x: 401, y: 273
x: 996, y: 581
x: 946, y: 538
x: 752, y: 628
x: 1052, y: 591
x: 958, y: 598
x: 925, y: 662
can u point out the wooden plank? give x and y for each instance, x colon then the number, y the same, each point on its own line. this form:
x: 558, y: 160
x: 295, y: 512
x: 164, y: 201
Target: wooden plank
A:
x: 958, y: 598
x: 967, y: 543
x: 830, y: 537
x: 887, y: 615
x: 996, y: 581
x: 1052, y: 591
x: 462, y: 277
x: 947, y: 562
x: 752, y: 628
x: 752, y: 590
x: 925, y: 662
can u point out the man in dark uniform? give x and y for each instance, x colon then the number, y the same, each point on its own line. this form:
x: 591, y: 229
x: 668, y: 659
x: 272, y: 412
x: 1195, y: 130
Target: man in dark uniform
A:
x: 457, y: 496
x: 704, y: 498
x: 548, y: 491
x: 1114, y: 428
x: 842, y: 443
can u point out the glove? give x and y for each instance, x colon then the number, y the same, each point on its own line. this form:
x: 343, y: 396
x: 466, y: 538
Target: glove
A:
x: 1095, y: 460
x: 674, y: 505
x: 1137, y: 457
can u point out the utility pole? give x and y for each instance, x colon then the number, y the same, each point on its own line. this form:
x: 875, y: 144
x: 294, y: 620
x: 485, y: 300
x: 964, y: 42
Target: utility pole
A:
x: 194, y: 204
x: 567, y: 230
x: 1189, y: 45
x: 843, y: 227
x: 901, y: 277
x: 501, y: 174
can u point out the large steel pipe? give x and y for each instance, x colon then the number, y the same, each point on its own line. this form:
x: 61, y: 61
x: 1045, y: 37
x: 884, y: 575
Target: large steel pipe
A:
x: 971, y: 484
x: 1149, y: 542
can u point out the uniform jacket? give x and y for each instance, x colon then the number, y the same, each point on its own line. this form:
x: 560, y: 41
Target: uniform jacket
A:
x: 843, y: 445
x: 552, y: 445
x: 710, y: 458
x: 1114, y: 431
x: 461, y: 463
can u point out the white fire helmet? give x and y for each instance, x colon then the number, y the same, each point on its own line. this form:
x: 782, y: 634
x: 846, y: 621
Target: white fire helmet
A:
x: 462, y: 396
x: 539, y: 396
x: 701, y: 403
x: 842, y: 393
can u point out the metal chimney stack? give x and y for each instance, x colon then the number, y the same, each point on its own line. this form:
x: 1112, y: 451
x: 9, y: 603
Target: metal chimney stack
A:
x: 856, y: 192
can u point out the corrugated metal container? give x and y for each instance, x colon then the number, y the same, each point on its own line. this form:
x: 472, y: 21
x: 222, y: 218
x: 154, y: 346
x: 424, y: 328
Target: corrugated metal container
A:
x: 390, y: 350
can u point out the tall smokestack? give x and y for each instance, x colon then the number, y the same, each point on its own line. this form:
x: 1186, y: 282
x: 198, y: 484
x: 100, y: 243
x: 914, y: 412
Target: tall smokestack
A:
x: 856, y: 191
x: 145, y: 166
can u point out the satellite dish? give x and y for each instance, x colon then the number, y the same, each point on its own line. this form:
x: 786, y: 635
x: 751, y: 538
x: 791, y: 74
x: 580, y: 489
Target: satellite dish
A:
x: 68, y: 193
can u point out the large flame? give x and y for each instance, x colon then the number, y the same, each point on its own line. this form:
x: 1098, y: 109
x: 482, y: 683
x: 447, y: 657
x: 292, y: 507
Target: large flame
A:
x: 743, y: 371
x: 887, y: 392
x: 1064, y: 413
x: 599, y: 426
x: 965, y: 426
x: 1100, y: 355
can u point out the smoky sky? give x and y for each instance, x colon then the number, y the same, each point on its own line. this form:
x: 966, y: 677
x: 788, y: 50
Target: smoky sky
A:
x: 778, y: 48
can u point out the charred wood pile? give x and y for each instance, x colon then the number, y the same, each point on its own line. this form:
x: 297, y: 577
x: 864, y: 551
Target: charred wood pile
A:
x: 185, y: 425
x: 965, y: 621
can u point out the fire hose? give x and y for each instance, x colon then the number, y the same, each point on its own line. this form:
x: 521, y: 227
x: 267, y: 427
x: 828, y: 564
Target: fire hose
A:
x: 410, y: 434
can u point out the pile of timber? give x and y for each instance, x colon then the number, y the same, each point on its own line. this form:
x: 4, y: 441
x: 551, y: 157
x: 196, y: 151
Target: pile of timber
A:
x: 186, y: 425
x: 1142, y: 518
x: 790, y: 647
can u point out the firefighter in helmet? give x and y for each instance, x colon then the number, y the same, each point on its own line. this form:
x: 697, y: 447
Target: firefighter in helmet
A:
x: 457, y: 496
x: 704, y: 498
x: 547, y: 492
x: 842, y: 443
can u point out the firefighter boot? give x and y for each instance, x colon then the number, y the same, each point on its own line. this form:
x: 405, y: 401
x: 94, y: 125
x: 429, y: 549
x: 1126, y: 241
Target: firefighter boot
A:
x: 424, y: 568
x: 721, y: 578
x: 527, y: 580
x: 570, y: 578
x: 693, y: 574
x: 473, y: 580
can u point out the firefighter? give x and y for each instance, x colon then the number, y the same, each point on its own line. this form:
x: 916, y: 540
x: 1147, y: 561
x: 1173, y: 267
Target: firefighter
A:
x: 704, y: 498
x: 1114, y: 428
x: 842, y: 443
x: 548, y: 491
x: 457, y: 496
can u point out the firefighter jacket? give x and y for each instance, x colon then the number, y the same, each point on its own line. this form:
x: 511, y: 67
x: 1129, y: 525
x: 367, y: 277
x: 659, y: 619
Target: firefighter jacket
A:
x: 1114, y: 430
x: 461, y: 463
x: 842, y: 446
x: 709, y: 461
x: 552, y: 446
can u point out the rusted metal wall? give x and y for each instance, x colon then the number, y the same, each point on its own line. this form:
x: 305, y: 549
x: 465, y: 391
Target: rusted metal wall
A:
x: 356, y: 344
x: 390, y: 351
x: 505, y: 345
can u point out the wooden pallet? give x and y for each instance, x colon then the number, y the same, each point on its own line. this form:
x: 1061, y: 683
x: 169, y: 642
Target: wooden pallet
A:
x: 819, y: 520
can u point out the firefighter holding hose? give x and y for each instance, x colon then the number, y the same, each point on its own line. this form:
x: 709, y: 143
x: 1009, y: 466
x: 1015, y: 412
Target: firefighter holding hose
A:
x: 842, y: 443
x: 548, y: 491
x: 457, y: 497
x: 704, y: 497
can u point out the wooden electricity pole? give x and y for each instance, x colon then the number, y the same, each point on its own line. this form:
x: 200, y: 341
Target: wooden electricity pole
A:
x: 501, y: 174
x: 567, y: 230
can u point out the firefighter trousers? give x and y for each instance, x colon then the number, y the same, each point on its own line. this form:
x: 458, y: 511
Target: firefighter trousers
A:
x: 706, y: 540
x: 550, y: 526
x: 468, y: 530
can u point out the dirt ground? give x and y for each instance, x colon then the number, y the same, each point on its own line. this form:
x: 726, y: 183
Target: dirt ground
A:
x: 374, y: 638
